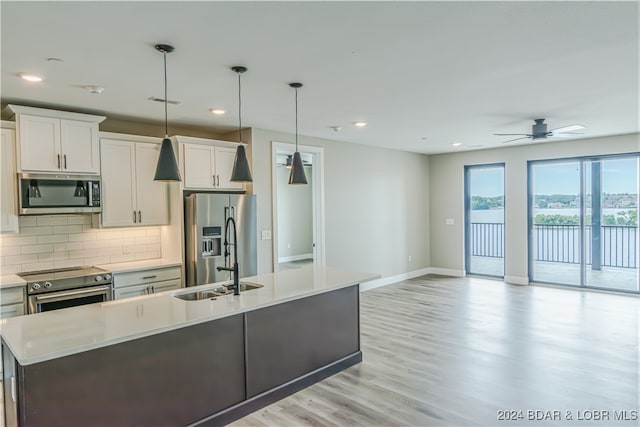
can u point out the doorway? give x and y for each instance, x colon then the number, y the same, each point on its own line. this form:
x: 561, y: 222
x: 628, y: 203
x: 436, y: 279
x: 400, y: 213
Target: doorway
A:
x: 484, y: 219
x: 583, y: 222
x: 298, y: 210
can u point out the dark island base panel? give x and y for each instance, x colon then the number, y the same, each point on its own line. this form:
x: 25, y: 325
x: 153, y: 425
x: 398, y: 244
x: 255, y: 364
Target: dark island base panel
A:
x: 207, y: 374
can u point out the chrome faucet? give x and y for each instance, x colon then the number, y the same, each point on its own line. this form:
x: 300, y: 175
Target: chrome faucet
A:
x: 234, y: 269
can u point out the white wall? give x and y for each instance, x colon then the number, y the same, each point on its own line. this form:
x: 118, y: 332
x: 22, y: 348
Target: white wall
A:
x: 376, y: 202
x: 295, y: 215
x: 447, y: 196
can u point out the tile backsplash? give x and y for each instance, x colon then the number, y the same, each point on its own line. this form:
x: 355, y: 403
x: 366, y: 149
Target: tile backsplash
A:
x: 61, y: 241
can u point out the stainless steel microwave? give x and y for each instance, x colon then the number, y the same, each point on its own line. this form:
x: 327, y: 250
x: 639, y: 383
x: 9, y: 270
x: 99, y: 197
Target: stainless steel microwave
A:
x: 59, y: 194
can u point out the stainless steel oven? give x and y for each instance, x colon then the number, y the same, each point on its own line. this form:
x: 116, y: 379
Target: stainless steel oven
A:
x: 56, y: 289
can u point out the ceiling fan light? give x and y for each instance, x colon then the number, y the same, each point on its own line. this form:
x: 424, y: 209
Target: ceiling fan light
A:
x: 297, y: 175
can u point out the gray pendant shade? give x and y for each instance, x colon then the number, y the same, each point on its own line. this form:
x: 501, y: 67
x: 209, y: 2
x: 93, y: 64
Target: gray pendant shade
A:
x: 297, y: 175
x: 241, y: 171
x: 167, y: 168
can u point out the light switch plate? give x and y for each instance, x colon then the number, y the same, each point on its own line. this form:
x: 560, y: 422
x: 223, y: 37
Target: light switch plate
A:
x: 266, y: 234
x: 449, y: 221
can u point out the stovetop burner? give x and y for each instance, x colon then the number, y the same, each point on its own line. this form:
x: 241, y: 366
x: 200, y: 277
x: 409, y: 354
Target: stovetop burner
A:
x: 61, y: 273
x: 65, y: 278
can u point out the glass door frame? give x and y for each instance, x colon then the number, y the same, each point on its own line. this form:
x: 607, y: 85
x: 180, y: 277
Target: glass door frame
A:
x: 467, y: 217
x: 583, y: 191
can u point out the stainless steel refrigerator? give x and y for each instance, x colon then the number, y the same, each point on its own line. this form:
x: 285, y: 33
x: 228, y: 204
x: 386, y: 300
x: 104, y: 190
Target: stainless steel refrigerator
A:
x: 205, y: 218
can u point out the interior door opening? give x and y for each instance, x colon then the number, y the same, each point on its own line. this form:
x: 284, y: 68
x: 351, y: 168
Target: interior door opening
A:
x: 298, y: 238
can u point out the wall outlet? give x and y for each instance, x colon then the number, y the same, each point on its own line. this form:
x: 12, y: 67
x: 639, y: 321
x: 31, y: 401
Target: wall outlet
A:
x: 449, y: 221
x: 410, y: 258
x: 266, y: 234
x: 288, y: 245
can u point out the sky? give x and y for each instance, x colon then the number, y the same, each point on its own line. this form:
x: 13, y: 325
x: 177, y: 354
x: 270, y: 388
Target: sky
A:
x: 618, y: 176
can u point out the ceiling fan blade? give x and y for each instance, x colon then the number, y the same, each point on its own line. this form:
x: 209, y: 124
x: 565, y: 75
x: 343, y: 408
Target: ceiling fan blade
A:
x: 569, y: 128
x: 512, y: 134
x: 565, y: 134
x: 511, y: 140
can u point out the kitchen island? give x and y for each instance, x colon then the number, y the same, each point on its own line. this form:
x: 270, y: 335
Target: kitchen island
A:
x: 160, y: 360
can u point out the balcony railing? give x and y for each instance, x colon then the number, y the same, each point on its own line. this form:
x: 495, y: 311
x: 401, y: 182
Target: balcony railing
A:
x: 561, y: 243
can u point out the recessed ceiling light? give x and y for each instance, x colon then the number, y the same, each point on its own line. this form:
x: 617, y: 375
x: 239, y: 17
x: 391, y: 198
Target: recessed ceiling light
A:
x: 217, y: 111
x: 54, y: 60
x: 360, y: 124
x: 456, y: 144
x: 31, y: 77
x: 94, y: 89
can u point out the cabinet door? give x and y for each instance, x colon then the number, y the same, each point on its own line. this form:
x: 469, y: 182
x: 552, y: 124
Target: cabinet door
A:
x: 167, y: 285
x: 8, y: 204
x: 118, y: 183
x: 130, y: 291
x: 11, y: 310
x: 79, y: 146
x: 152, y: 198
x: 198, y: 166
x: 224, y: 158
x: 39, y: 140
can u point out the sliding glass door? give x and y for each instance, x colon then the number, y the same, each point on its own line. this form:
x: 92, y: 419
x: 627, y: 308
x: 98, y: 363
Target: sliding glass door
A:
x: 583, y: 222
x: 484, y: 220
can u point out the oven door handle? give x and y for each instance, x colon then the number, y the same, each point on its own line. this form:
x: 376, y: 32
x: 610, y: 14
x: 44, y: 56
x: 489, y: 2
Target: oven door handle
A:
x: 81, y: 292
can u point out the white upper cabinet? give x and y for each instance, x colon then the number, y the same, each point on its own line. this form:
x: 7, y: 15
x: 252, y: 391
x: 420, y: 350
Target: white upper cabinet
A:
x: 130, y: 196
x: 8, y: 203
x: 56, y: 141
x: 207, y: 164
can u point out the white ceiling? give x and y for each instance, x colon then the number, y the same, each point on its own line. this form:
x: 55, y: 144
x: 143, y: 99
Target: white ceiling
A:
x: 444, y: 71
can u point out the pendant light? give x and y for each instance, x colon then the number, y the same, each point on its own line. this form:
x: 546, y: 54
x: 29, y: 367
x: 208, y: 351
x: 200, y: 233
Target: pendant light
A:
x: 241, y: 171
x: 167, y: 168
x: 297, y: 175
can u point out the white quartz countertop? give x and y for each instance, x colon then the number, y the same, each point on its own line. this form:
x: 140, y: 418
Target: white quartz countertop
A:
x: 11, y: 280
x: 146, y: 264
x: 45, y: 336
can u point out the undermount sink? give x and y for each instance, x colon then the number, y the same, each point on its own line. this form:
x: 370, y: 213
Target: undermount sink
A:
x: 218, y: 291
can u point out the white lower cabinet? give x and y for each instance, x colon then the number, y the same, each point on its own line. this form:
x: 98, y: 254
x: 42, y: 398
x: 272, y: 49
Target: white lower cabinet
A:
x: 145, y: 282
x: 12, y: 303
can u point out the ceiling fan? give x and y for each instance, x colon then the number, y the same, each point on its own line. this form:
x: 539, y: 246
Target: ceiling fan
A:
x: 539, y: 131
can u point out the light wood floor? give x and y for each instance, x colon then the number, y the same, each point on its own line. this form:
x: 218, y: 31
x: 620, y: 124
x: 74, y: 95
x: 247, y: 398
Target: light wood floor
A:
x: 455, y: 351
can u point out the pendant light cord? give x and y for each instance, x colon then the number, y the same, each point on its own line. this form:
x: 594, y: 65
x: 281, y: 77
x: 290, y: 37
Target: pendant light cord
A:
x: 296, y: 119
x: 166, y: 126
x: 239, y: 108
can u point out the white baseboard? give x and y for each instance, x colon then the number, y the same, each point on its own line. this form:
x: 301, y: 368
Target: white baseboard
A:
x: 384, y: 281
x: 447, y: 272
x: 516, y: 280
x: 295, y: 258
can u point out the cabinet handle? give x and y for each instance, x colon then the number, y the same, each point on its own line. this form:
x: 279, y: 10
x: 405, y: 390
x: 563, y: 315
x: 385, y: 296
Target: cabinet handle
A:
x: 140, y: 217
x: 14, y: 394
x: 149, y: 277
x: 213, y: 178
x: 65, y: 161
x: 58, y: 161
x: 153, y: 290
x: 218, y: 179
x: 134, y: 217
